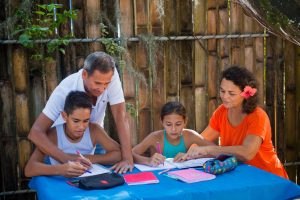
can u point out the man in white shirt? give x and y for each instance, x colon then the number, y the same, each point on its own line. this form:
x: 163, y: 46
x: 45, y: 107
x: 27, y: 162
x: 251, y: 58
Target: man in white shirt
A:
x: 100, y: 80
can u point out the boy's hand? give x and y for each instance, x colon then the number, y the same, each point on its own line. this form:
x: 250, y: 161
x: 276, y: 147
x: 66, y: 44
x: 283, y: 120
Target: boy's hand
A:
x: 157, y: 159
x: 84, y: 161
x: 72, y: 169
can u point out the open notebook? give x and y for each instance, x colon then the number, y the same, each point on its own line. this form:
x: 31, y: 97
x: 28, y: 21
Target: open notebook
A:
x: 190, y: 175
x: 169, y: 164
x: 95, y: 169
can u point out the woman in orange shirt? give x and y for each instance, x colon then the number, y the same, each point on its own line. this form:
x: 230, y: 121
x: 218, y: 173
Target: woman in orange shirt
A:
x: 243, y: 127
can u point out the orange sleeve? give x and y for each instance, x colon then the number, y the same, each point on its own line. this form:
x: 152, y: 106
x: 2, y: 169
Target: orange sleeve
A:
x: 215, y: 120
x: 257, y: 124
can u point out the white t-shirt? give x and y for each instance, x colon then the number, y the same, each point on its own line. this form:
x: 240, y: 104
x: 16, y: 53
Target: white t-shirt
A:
x: 84, y: 146
x: 55, y: 104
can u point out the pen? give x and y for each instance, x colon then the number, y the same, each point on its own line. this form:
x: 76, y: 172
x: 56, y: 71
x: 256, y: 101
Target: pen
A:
x: 158, y: 149
x: 79, y: 154
x: 83, y: 158
x: 166, y: 170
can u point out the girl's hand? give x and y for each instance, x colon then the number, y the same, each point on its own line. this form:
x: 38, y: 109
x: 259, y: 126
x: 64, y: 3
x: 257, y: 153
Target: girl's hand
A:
x: 72, y: 169
x: 180, y: 157
x: 157, y: 159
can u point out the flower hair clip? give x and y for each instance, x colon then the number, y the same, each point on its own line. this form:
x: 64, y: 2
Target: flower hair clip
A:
x: 248, y: 92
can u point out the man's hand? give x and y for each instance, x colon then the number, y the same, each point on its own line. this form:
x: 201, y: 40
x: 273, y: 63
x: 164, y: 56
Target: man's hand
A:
x: 123, y: 166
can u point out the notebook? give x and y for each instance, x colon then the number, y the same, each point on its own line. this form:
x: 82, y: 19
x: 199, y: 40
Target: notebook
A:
x: 190, y: 175
x: 140, y: 178
x: 169, y: 164
x: 189, y: 163
x: 95, y: 169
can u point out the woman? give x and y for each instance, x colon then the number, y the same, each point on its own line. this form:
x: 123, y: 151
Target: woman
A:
x: 243, y: 127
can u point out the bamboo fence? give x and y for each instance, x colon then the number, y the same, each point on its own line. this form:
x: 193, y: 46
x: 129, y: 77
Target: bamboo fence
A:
x: 154, y: 71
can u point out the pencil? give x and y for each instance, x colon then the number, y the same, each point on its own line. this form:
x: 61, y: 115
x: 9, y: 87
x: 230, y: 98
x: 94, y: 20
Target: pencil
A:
x: 78, y: 152
x: 158, y: 149
x: 164, y: 171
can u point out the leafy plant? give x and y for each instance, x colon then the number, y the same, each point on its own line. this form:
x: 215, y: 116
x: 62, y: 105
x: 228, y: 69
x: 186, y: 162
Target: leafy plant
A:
x: 111, y: 46
x: 41, y: 24
x: 114, y: 48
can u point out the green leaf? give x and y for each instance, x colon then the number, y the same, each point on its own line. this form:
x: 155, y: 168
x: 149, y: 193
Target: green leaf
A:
x: 25, y: 40
x: 42, y: 6
x: 62, y: 51
x: 40, y: 12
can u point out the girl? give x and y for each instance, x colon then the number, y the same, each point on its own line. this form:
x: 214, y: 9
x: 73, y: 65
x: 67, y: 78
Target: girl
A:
x: 243, y: 127
x: 173, y: 141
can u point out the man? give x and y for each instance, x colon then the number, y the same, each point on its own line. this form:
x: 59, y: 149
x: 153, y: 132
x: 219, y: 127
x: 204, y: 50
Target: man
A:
x: 100, y: 80
x: 76, y: 135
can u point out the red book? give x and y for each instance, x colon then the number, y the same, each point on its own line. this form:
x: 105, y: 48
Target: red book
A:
x: 140, y: 178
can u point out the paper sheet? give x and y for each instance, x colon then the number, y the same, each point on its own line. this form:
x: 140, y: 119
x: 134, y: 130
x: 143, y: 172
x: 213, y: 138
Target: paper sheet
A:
x: 149, y: 168
x: 169, y: 164
x: 189, y: 163
x: 95, y: 169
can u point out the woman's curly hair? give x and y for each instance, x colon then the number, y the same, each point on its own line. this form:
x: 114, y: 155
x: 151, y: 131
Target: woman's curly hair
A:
x: 241, y: 77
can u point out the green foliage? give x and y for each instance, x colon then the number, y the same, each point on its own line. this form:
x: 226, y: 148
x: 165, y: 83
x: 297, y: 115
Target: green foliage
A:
x: 111, y: 46
x: 40, y: 24
x: 130, y: 109
x: 274, y: 16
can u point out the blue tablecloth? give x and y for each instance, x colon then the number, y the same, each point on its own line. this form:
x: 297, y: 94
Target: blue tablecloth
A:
x: 245, y: 182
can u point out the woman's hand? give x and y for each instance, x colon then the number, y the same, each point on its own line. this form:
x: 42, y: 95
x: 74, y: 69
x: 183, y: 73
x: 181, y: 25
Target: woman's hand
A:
x: 196, y: 151
x: 157, y: 159
x: 72, y: 169
x: 180, y: 157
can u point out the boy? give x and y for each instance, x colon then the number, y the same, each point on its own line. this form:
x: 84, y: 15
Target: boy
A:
x: 99, y: 78
x: 77, y: 134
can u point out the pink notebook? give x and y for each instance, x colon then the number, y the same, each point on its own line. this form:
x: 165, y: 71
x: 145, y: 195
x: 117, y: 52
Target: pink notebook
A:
x: 190, y: 175
x: 140, y: 178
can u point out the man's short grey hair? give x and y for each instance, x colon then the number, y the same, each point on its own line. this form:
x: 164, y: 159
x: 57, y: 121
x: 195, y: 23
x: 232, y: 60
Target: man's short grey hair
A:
x: 100, y: 61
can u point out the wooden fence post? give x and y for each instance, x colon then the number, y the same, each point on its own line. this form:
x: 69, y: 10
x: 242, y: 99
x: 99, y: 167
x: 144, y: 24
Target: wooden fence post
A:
x: 200, y: 66
x: 290, y: 105
x: 8, y: 150
x: 157, y: 11
x: 20, y: 75
x: 186, y: 68
x: 92, y: 23
x: 223, y: 44
x: 142, y: 58
x: 212, y: 64
x: 236, y: 22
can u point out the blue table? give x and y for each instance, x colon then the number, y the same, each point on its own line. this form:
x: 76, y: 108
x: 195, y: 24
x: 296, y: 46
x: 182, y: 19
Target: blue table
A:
x: 245, y: 182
